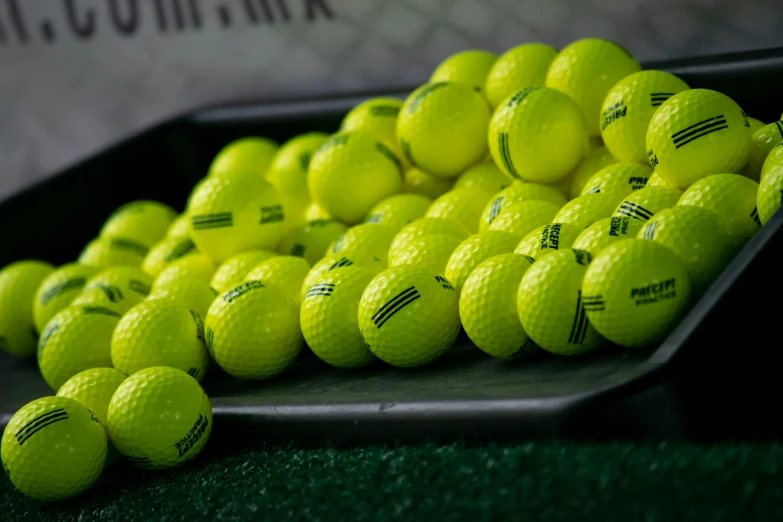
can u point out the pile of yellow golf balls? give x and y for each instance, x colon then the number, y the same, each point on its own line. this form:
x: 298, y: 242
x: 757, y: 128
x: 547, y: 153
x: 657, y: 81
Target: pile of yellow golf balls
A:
x: 542, y: 201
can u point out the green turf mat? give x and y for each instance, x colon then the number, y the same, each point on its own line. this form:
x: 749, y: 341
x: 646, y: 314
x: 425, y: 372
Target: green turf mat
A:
x: 536, y: 481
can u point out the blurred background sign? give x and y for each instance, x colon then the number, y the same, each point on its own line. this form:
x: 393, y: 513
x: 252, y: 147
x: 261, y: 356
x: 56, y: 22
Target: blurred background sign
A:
x: 78, y: 75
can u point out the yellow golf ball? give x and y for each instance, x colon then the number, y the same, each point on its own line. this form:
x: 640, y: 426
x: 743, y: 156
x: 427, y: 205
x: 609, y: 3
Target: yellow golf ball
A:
x: 550, y: 305
x: 548, y: 238
x: 180, y: 227
x: 144, y: 222
x: 377, y: 116
x: 517, y: 193
x: 488, y: 307
x: 197, y: 266
x: 287, y: 272
x: 312, y: 239
x: 77, y: 338
x: 442, y: 128
x: 645, y: 203
x: 399, y: 210
x: 234, y: 269
x: 697, y: 237
x: 518, y: 68
x: 618, y: 181
x: 522, y: 218
x: 431, y: 251
x: 764, y: 140
x: 166, y: 251
x: 732, y: 198
x: 119, y: 289
x: 538, y: 135
x: 419, y: 182
x: 469, y: 68
x: 340, y: 260
x: 462, y: 206
x: 475, y: 249
x: 606, y: 232
x: 769, y: 194
x: 352, y: 172
x: 409, y: 315
x: 368, y: 237
x: 18, y: 285
x: 314, y: 212
x: 106, y: 252
x: 57, y: 291
x: 628, y: 108
x: 194, y: 294
x: 697, y: 133
x: 484, y: 177
x: 160, y: 333
x: 229, y: 216
x: 635, y: 291
x: 586, y: 70
x: 329, y: 317
x: 426, y: 226
x: 295, y: 154
x: 585, y: 210
x: 594, y: 161
x: 252, y: 331
x: 247, y: 158
x: 291, y: 187
x: 656, y: 180
x: 93, y: 388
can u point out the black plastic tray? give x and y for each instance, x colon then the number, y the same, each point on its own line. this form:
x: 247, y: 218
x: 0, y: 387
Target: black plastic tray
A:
x: 716, y: 374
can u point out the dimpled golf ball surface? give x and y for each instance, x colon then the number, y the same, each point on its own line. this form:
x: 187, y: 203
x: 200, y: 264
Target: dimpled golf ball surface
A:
x: 520, y: 67
x: 605, y: 232
x: 229, y: 216
x: 696, y: 236
x: 106, y: 252
x: 442, y: 128
x: 466, y: 67
x: 585, y: 210
x: 180, y: 227
x: 352, y: 172
x: 586, y: 70
x: 287, y: 272
x: 770, y: 193
x: 594, y: 161
x: 296, y: 153
x: 764, y: 140
x: 166, y: 251
x: 426, y: 226
x: 76, y: 339
x: 329, y: 317
x: 399, y: 210
x: 419, y: 182
x: 409, y: 315
x: 339, y: 260
x: 376, y: 115
x: 246, y: 158
x: 372, y: 238
x: 431, y: 251
x: 732, y: 198
x: 656, y: 180
x: 644, y: 203
x: 635, y: 292
x: 159, y: 333
x: 118, y: 289
x: 191, y: 293
x: 94, y: 389
x: 537, y: 135
x: 520, y: 219
x: 234, y: 269
x: 471, y: 252
x: 618, y: 181
x: 549, y: 304
x: 18, y: 284
x: 252, y: 331
x: 516, y: 193
x: 697, y: 133
x: 628, y: 108
x: 485, y: 177
x: 160, y: 417
x: 58, y: 290
x: 53, y: 448
x: 547, y: 239
x: 144, y: 222
x: 311, y: 240
x: 197, y: 267
x: 464, y: 206
x: 488, y: 307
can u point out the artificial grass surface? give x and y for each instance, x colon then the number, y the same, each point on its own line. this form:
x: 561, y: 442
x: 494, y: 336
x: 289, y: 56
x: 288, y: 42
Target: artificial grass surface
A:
x: 535, y: 481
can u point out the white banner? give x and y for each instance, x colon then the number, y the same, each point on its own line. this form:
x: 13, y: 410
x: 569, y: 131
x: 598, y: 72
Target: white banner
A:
x: 78, y: 75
